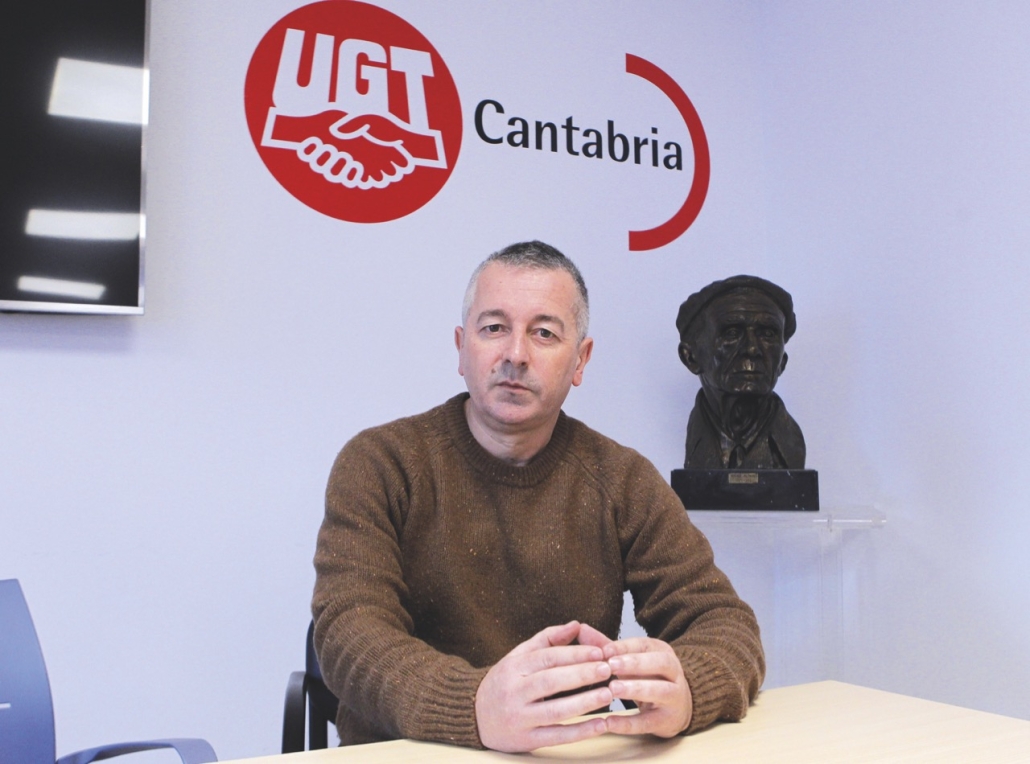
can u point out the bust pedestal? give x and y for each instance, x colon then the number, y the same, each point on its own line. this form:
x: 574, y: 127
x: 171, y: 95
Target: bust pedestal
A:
x: 748, y: 489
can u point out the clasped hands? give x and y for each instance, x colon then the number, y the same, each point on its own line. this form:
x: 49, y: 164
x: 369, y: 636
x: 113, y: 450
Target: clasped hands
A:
x: 516, y: 710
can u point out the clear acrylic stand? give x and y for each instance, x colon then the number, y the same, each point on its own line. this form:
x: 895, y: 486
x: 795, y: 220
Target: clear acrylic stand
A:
x: 795, y: 569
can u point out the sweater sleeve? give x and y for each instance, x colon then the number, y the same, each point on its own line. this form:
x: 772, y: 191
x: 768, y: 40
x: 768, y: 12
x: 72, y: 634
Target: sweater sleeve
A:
x: 682, y: 598
x: 390, y: 683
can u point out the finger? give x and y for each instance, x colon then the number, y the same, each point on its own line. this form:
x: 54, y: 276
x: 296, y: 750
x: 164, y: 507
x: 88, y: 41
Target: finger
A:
x: 559, y: 734
x: 666, y: 718
x: 656, y: 692
x: 554, y: 657
x: 552, y: 636
x: 635, y: 645
x: 558, y: 710
x: 644, y: 723
x: 639, y: 665
x: 588, y: 635
x: 544, y: 684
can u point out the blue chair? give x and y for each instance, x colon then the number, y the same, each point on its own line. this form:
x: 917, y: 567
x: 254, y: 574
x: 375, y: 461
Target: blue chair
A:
x: 26, y: 708
x: 308, y: 686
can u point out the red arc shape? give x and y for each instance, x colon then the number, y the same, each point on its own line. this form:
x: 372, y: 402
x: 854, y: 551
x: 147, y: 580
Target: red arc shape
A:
x: 673, y: 228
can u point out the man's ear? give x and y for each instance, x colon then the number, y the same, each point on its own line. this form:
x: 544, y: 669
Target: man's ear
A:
x: 688, y: 358
x: 586, y: 349
x: 459, y: 335
x: 783, y: 363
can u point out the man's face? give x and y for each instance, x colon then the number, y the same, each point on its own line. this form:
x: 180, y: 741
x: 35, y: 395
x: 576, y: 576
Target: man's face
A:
x: 740, y: 349
x: 519, y: 349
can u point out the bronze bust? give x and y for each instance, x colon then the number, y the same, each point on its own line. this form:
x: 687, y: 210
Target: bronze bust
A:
x: 732, y: 335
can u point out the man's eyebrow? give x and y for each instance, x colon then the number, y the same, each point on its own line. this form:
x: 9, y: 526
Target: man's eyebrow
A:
x: 495, y: 313
x: 546, y: 318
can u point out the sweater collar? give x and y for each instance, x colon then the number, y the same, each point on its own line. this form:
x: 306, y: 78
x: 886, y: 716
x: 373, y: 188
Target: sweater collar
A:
x: 497, y: 470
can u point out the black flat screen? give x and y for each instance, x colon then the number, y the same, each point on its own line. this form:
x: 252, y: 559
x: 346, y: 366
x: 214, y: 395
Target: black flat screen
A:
x: 73, y: 90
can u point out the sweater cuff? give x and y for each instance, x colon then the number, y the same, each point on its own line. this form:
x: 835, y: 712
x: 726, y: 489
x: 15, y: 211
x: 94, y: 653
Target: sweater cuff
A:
x: 714, y: 690
x: 451, y: 715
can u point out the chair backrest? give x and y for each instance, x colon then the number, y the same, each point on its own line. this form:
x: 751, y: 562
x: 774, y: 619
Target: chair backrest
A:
x: 322, y: 704
x: 307, y: 696
x: 26, y: 708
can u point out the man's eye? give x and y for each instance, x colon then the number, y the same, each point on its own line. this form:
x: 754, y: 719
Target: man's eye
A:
x: 546, y: 334
x: 492, y: 328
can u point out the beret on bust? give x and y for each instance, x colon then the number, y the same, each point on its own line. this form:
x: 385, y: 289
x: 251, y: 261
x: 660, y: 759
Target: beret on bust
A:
x: 693, y: 305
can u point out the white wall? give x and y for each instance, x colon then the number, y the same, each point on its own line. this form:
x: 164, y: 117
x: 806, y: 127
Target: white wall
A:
x: 898, y: 187
x: 161, y: 477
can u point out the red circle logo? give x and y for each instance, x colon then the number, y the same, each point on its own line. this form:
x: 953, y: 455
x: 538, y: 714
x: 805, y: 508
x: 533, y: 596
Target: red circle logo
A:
x: 353, y: 111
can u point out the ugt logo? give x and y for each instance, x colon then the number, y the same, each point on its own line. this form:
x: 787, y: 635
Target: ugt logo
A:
x: 353, y: 111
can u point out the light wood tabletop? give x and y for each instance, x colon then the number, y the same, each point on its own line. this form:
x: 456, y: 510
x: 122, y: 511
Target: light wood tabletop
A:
x: 822, y: 723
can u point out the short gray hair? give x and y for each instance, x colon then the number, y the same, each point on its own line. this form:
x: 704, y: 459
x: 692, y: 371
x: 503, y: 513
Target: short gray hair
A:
x: 534, y: 254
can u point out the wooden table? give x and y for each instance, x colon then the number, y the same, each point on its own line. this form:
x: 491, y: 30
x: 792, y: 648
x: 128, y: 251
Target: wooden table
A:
x: 821, y: 723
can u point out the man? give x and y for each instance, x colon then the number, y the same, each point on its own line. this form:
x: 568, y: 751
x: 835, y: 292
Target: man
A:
x: 732, y: 335
x: 472, y: 560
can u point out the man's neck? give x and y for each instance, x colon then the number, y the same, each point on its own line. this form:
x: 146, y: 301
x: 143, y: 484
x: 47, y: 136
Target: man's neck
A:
x: 514, y: 446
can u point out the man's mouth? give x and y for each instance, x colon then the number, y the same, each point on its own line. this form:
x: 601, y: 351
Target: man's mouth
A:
x: 749, y: 367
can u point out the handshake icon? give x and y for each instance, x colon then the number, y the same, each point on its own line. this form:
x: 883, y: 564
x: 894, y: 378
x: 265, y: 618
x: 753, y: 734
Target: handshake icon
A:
x: 355, y: 150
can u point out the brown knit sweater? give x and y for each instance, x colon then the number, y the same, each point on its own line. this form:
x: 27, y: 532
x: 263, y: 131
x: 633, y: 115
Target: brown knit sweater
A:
x: 435, y: 559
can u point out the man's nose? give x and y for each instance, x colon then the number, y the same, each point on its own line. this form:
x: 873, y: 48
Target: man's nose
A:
x: 517, y: 350
x: 751, y: 346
